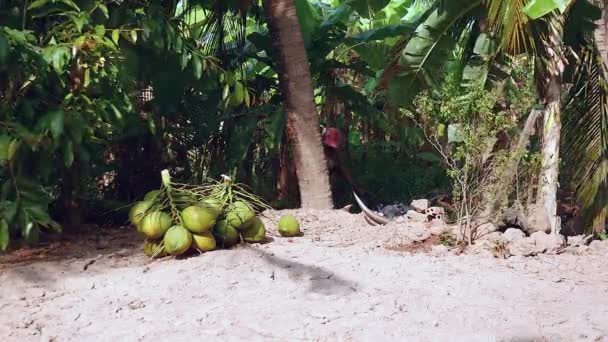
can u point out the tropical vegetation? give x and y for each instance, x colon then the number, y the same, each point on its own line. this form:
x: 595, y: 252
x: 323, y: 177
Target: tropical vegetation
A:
x: 494, y: 103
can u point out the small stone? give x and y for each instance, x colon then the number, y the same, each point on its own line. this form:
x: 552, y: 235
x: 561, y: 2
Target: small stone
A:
x: 547, y: 242
x: 416, y: 216
x: 437, y: 227
x: 420, y: 205
x: 598, y: 245
x: 414, y: 232
x: 513, y: 235
x: 524, y: 247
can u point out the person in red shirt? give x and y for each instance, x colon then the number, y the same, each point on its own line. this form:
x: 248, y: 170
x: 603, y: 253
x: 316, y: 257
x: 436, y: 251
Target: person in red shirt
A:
x: 339, y: 166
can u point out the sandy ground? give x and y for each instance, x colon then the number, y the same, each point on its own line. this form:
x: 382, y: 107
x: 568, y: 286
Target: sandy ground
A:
x: 336, y: 283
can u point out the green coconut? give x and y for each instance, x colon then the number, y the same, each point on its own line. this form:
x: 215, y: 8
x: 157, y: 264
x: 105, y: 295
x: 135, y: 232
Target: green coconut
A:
x: 225, y: 234
x: 151, y: 195
x: 256, y: 232
x: 155, y: 224
x: 177, y: 240
x: 212, y: 203
x: 204, y: 242
x: 240, y: 215
x: 198, y: 219
x: 289, y: 226
x: 154, y: 249
x: 136, y: 213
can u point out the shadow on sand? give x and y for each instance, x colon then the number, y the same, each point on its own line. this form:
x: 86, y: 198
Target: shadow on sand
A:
x: 320, y: 280
x: 72, y: 253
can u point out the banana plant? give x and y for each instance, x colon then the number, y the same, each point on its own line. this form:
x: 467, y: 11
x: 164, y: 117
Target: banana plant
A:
x: 539, y: 28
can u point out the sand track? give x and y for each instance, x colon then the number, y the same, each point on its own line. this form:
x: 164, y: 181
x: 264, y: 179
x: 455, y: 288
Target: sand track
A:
x: 311, y: 288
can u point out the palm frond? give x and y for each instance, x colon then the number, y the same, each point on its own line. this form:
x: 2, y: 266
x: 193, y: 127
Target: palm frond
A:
x: 224, y: 24
x: 508, y: 21
x: 422, y: 59
x: 585, y: 143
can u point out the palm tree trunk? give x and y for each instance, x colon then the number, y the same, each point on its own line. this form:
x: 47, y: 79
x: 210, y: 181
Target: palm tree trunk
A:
x: 298, y: 102
x: 602, y: 31
x: 547, y: 195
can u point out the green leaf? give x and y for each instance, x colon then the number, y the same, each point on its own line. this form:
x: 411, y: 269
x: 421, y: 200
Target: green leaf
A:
x: 4, y: 236
x: 247, y: 99
x: 308, y: 19
x: 40, y: 216
x: 87, y: 77
x: 68, y: 153
x: 367, y: 8
x: 100, y: 30
x: 226, y: 91
x: 115, y: 36
x: 5, y: 141
x: 239, y: 93
x: 184, y: 60
x: 134, y: 36
x: 4, y: 49
x: 71, y: 4
x: 539, y: 8
x: 117, y: 113
x: 37, y: 4
x: 31, y: 233
x: 37, y: 213
x: 197, y: 66
x: 8, y: 210
x: 104, y: 9
x: 56, y: 123
x: 13, y: 147
x: 178, y: 44
x: 340, y: 14
x: 79, y: 22
x: 383, y: 33
x: 57, y: 57
x: 422, y: 63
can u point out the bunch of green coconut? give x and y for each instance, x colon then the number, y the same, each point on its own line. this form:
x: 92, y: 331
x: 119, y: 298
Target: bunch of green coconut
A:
x: 182, y: 217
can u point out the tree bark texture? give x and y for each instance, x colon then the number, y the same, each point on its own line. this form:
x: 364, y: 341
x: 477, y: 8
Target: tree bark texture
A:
x: 547, y: 195
x: 302, y: 118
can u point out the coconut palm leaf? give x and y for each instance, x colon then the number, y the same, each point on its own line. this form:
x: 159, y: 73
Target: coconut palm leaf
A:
x: 586, y: 137
x: 585, y: 143
x: 508, y: 21
x: 223, y: 24
x: 422, y: 60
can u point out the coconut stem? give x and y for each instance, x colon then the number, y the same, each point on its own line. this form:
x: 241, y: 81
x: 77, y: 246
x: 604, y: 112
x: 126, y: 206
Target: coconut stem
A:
x: 166, y: 177
x: 168, y: 189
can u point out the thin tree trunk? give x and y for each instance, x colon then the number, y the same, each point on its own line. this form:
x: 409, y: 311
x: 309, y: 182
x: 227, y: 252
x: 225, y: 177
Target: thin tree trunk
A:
x: 287, y: 178
x: 70, y: 195
x: 298, y: 102
x: 547, y: 195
